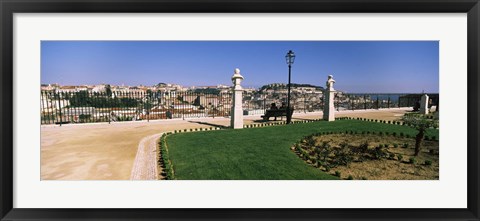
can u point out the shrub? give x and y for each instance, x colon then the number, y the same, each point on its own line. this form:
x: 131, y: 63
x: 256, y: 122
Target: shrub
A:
x: 401, y: 134
x: 122, y: 118
x: 364, y: 178
x: 395, y: 145
x: 391, y: 156
x: 394, y: 134
x: 378, y: 153
x: 386, y: 145
x: 350, y: 177
x: 364, y: 147
x: 405, y: 145
x: 412, y: 160
x: 337, y: 173
x: 400, y: 157
x: 380, y: 146
x: 428, y: 162
x: 327, y: 168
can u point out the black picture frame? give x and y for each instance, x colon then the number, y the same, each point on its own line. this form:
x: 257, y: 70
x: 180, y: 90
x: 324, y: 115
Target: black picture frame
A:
x: 9, y: 7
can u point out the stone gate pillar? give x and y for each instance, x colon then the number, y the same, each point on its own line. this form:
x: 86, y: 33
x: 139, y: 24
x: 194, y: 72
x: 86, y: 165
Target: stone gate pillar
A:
x: 236, y: 115
x: 329, y: 94
x: 424, y: 104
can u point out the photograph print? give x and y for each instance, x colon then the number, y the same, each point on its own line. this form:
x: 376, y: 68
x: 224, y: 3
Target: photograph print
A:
x: 239, y: 110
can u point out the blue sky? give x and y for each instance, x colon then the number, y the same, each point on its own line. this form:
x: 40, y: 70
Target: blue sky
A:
x: 357, y: 66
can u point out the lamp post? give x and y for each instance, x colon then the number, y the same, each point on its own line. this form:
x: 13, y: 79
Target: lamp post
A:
x: 290, y: 58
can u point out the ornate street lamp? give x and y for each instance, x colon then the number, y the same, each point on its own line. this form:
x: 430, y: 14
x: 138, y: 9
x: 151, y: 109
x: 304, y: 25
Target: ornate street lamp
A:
x: 290, y: 58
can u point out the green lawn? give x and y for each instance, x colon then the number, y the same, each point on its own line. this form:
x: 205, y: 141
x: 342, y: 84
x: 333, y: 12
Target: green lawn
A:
x: 257, y: 153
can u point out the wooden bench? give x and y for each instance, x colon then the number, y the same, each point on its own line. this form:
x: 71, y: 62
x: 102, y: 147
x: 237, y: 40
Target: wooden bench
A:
x: 276, y: 113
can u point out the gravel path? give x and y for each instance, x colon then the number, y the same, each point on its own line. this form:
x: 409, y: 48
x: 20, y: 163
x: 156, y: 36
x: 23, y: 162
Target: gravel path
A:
x: 145, y: 164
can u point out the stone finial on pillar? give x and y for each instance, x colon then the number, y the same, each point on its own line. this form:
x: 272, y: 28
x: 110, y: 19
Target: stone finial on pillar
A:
x: 424, y: 104
x: 329, y: 95
x: 236, y: 115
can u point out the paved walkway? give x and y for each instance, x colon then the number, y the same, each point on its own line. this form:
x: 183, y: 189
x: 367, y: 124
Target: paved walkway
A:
x: 127, y: 150
x: 145, y: 164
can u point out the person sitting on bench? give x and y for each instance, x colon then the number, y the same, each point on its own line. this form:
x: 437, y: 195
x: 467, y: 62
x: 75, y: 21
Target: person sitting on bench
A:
x: 283, y: 107
x: 273, y: 106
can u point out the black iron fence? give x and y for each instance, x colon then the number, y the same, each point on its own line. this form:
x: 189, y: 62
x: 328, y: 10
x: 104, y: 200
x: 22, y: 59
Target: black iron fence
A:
x: 358, y: 101
x: 90, y: 107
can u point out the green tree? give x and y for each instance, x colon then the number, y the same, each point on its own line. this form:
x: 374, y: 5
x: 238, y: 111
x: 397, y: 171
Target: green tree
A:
x: 108, y: 90
x: 80, y: 99
x: 421, y: 124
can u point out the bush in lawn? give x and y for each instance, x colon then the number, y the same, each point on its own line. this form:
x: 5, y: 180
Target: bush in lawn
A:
x: 364, y: 147
x: 394, y: 134
x: 395, y: 145
x: 337, y: 173
x: 391, y: 156
x: 412, y: 160
x: 327, y: 168
x: 401, y: 134
x: 378, y: 153
x: 428, y: 162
